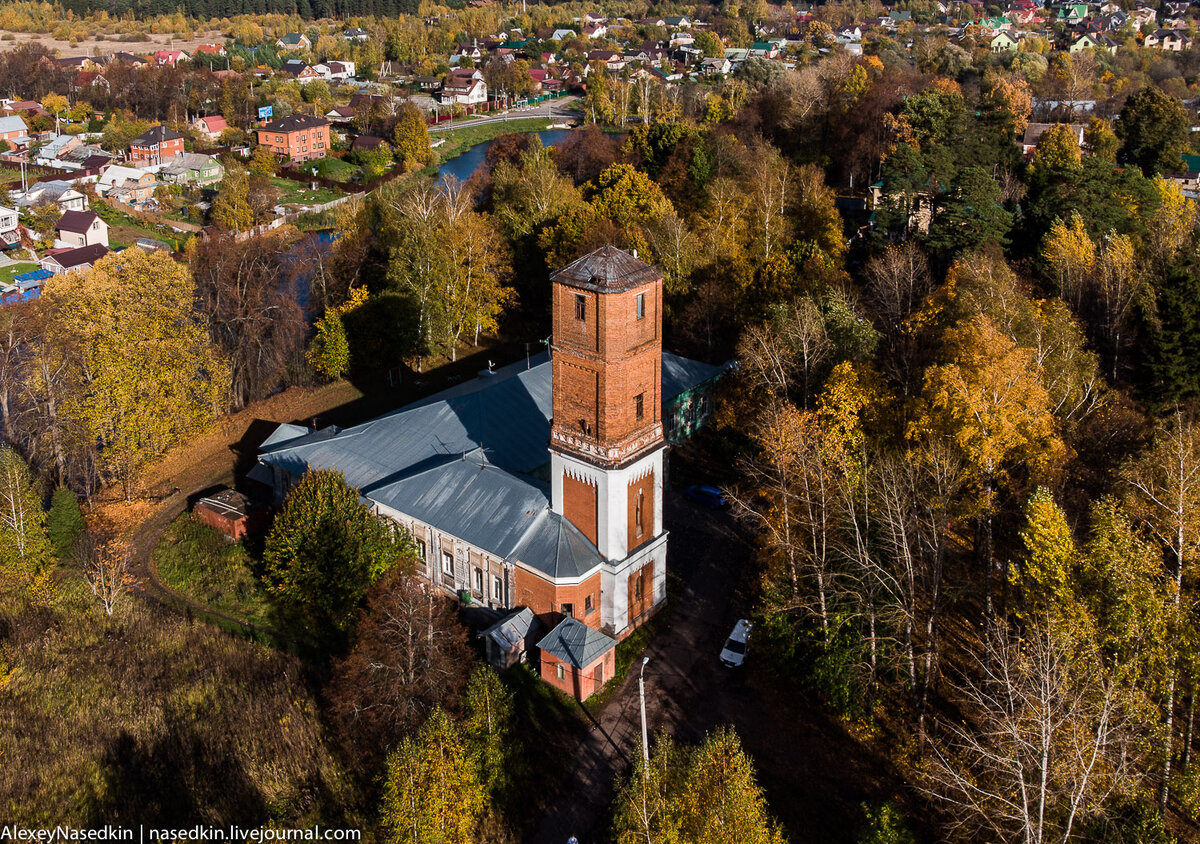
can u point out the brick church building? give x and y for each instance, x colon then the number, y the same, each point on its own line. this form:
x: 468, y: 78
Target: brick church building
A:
x: 539, y: 487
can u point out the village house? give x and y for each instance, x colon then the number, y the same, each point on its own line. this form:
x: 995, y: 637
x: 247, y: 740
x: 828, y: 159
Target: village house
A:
x: 80, y: 259
x: 192, y: 168
x: 300, y: 137
x: 80, y: 228
x: 170, y: 58
x: 210, y: 50
x: 539, y: 487
x: 1168, y: 39
x: 62, y: 193
x: 13, y: 130
x: 335, y: 71
x: 126, y: 184
x: 465, y: 87
x: 355, y: 34
x: 299, y: 71
x: 10, y: 228
x: 155, y: 146
x: 211, y: 126
x: 294, y: 41
x: 1093, y: 41
x: 1003, y: 42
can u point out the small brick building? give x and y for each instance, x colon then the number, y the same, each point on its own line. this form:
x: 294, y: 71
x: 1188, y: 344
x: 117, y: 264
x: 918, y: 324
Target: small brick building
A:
x: 231, y: 513
x: 577, y: 659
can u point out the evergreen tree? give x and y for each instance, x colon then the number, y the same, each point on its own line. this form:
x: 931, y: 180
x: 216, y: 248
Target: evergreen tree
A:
x: 324, y: 551
x: 1153, y: 130
x: 1173, y: 356
x: 64, y: 522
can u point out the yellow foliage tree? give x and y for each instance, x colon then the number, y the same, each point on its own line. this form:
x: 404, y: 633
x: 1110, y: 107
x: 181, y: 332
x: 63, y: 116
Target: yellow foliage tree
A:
x: 150, y: 374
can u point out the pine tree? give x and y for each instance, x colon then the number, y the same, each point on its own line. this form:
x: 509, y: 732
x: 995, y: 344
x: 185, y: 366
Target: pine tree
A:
x: 64, y: 522
x: 324, y: 551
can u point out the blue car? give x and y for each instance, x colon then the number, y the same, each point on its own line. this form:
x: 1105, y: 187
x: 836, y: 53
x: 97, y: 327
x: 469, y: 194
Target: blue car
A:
x: 709, y: 496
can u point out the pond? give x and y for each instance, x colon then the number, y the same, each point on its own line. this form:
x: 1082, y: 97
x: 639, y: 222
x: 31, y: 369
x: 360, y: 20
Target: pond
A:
x: 462, y: 167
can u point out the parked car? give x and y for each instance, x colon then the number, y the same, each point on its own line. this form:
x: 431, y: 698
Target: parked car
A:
x: 709, y: 496
x: 734, y: 652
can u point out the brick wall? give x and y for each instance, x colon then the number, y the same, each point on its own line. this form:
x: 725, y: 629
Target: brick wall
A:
x: 641, y: 591
x: 642, y: 488
x: 546, y: 600
x: 579, y: 506
x: 604, y: 361
x: 579, y: 683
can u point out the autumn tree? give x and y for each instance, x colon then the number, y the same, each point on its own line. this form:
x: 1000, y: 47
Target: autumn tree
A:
x: 989, y: 402
x: 411, y: 138
x: 249, y: 296
x: 1049, y: 744
x: 1164, y: 495
x: 149, y: 374
x: 231, y: 209
x: 410, y: 654
x: 487, y: 723
x: 25, y: 550
x: 707, y: 793
x: 325, y: 550
x: 431, y: 793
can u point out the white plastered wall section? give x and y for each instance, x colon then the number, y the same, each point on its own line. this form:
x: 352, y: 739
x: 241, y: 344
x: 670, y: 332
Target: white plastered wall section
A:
x: 612, y: 528
x: 612, y: 496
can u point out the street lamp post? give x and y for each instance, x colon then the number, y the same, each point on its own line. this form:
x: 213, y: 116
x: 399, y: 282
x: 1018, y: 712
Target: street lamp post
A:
x: 642, y: 694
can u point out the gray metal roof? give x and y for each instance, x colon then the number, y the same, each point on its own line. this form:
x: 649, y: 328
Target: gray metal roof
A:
x: 607, y: 270
x: 508, y: 515
x: 574, y: 642
x: 682, y: 374
x: 462, y: 461
x: 511, y: 629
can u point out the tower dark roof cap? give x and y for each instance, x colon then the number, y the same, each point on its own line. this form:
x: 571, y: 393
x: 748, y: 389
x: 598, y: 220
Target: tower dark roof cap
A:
x: 607, y: 270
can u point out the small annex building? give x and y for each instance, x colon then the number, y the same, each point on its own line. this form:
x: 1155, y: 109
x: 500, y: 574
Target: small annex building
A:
x: 577, y: 659
x: 231, y: 513
x: 540, y: 485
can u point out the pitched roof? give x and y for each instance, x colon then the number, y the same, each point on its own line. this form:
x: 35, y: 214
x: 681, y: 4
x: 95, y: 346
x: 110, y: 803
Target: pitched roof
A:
x: 607, y: 270
x: 511, y: 629
x: 214, y: 122
x: 294, y: 123
x: 77, y: 222
x: 13, y: 124
x: 71, y: 258
x: 574, y: 642
x: 155, y: 135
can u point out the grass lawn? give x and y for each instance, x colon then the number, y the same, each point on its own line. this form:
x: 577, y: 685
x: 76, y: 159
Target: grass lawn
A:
x: 295, y: 193
x: 336, y: 169
x: 198, y: 562
x: 7, y: 273
x: 459, y: 141
x: 124, y: 230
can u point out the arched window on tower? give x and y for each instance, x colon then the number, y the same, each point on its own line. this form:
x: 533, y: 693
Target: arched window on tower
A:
x: 638, y: 510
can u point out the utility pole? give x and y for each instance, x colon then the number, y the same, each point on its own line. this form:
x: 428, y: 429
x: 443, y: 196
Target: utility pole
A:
x: 645, y: 740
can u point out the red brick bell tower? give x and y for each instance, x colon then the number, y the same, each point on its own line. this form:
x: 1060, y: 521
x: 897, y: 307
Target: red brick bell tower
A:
x: 606, y: 437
